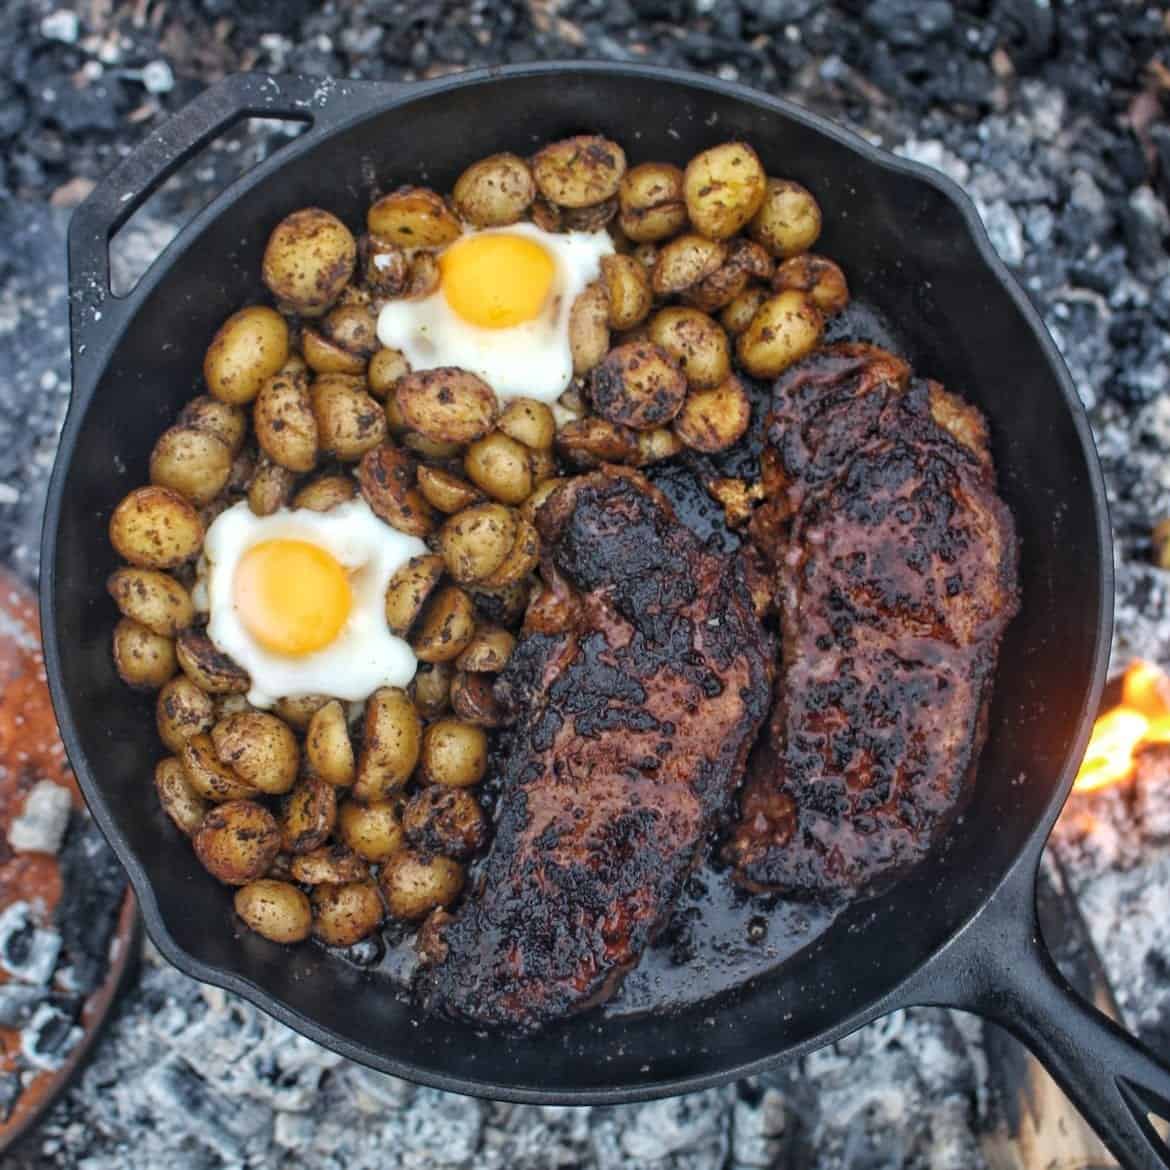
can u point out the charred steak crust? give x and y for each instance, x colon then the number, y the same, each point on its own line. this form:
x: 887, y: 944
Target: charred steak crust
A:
x: 895, y: 564
x: 634, y: 724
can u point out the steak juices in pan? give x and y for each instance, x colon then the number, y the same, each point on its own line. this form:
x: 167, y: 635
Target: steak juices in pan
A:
x: 431, y: 645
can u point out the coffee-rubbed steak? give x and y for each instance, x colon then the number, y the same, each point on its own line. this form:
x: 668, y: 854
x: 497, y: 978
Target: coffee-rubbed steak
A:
x: 895, y: 567
x: 639, y: 687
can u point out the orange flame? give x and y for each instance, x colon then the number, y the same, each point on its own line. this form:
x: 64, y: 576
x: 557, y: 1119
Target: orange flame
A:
x: 1142, y: 717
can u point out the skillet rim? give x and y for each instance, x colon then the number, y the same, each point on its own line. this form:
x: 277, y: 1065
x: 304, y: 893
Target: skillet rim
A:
x: 377, y: 98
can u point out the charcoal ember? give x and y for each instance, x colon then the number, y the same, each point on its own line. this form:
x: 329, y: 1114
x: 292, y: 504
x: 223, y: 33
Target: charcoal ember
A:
x: 94, y: 885
x: 28, y: 952
x: 18, y: 1001
x: 48, y: 1038
x: 1151, y: 791
x: 10, y: 1090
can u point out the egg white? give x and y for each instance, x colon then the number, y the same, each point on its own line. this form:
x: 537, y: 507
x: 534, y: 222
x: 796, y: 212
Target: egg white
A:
x: 529, y: 360
x: 365, y: 655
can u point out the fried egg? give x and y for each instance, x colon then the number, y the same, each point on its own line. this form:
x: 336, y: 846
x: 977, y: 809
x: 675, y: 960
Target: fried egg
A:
x: 298, y: 600
x: 501, y: 309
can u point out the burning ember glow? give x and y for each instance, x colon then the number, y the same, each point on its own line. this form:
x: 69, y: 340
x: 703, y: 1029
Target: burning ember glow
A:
x: 1142, y: 717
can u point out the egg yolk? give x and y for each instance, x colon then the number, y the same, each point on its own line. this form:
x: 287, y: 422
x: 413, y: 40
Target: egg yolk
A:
x: 496, y: 281
x: 292, y: 596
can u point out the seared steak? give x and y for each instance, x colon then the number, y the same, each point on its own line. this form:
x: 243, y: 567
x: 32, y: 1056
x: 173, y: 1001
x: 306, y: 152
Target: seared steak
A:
x: 894, y: 563
x: 639, y: 687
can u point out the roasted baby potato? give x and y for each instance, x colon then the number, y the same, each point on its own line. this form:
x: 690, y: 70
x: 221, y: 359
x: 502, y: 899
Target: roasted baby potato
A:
x: 408, y: 590
x: 345, y: 914
x: 390, y: 744
x: 383, y: 372
x: 446, y: 404
x: 179, y: 800
x: 540, y: 493
x: 285, y: 425
x: 685, y: 261
x: 473, y: 699
x: 543, y: 465
x: 386, y: 479
x: 248, y: 347
x: 259, y: 748
x: 712, y: 420
x: 652, y: 203
x: 454, y: 754
x: 277, y: 911
x: 373, y: 831
x: 522, y: 558
x: 738, y: 313
x: 207, y: 667
x: 228, y: 423
x: 627, y: 289
x: 446, y: 626
x: 656, y: 445
x: 413, y: 217
x: 495, y: 191
x: 445, y: 820
x: 237, y: 841
x: 308, y: 815
x: 488, y: 651
x: 789, y: 219
x: 500, y: 467
x: 818, y: 278
x: 153, y: 599
x: 786, y: 327
x: 475, y: 542
x: 155, y: 528
x: 588, y: 328
x: 327, y: 746
x: 696, y: 343
x: 446, y: 491
x: 579, y: 172
x: 353, y: 327
x: 723, y: 188
x: 640, y: 385
x: 195, y: 463
x: 349, y: 421
x: 384, y: 266
x: 590, y: 441
x: 298, y: 711
x: 325, y: 492
x: 413, y: 884
x: 183, y: 710
x: 331, y: 864
x: 430, y: 689
x: 529, y: 422
x: 325, y: 356
x: 271, y: 487
x: 144, y: 660
x: 208, y: 775
x: 309, y: 259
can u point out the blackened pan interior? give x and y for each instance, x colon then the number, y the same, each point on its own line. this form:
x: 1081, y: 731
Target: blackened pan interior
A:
x: 907, y: 247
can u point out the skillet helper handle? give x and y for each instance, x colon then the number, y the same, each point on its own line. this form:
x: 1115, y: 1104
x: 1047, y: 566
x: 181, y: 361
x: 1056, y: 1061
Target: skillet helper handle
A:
x: 96, y: 316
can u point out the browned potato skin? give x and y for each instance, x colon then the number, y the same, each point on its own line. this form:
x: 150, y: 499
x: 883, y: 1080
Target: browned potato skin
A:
x: 276, y: 910
x: 738, y: 313
x: 473, y: 700
x: 413, y: 885
x: 413, y: 217
x: 430, y: 689
x: 723, y: 188
x: 494, y: 192
x: 195, y: 463
x: 345, y: 914
x: 475, y: 541
x: 155, y: 528
x: 354, y: 328
x: 308, y: 815
x: 543, y: 465
x: 207, y: 775
x: 285, y: 425
x: 529, y: 422
x: 183, y: 710
x: 207, y: 667
x: 248, y: 347
x: 489, y: 650
x: 237, y: 842
x: 500, y: 467
x: 446, y: 491
x: 384, y: 266
x: 408, y: 590
x: 153, y: 599
x: 789, y: 220
x: 331, y: 864
x: 390, y: 745
x: 309, y: 259
x: 718, y: 289
x: 259, y: 748
x: 327, y: 746
x: 712, y: 420
x: 627, y: 289
x: 446, y: 626
x: 686, y: 260
x: 349, y: 421
x: 590, y: 441
x: 447, y: 404
x: 385, y: 369
x: 786, y: 327
x: 228, y: 423
x: 298, y: 712
x: 325, y: 356
x: 144, y: 660
x: 639, y: 385
x: 386, y: 479
x: 325, y: 492
x: 579, y: 172
x: 588, y: 328
x: 445, y: 820
x: 454, y: 754
x: 271, y: 487
x: 652, y: 204
x: 540, y: 494
x: 373, y: 831
x: 696, y: 343
x: 816, y: 276
x: 179, y: 800
x: 522, y: 558
x: 424, y: 276
x: 656, y: 445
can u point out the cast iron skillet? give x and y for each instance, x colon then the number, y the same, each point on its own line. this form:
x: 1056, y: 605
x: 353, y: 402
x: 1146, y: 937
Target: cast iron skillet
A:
x: 961, y: 930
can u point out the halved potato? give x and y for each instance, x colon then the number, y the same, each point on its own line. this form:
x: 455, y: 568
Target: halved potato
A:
x: 308, y: 815
x: 522, y: 558
x: 182, y: 710
x: 285, y: 425
x: 500, y: 466
x: 529, y: 422
x: 685, y: 261
x: 590, y: 441
x: 628, y: 292
x: 473, y: 699
x: 495, y: 191
x: 639, y: 385
x: 325, y: 356
x: 211, y: 778
x: 652, y: 203
x: 328, y: 749
x: 817, y: 277
x: 155, y: 528
x: 390, y: 744
x: 446, y: 491
x: 580, y: 171
x: 447, y: 404
x: 349, y: 421
x: 259, y: 748
x: 488, y: 651
x: 329, y: 864
x: 475, y: 541
x: 712, y: 420
x: 413, y: 217
x: 179, y: 800
x: 446, y: 626
x: 325, y: 493
x: 408, y: 590
x: 386, y: 479
x: 153, y: 599
x: 696, y: 343
x: 237, y: 842
x: 589, y: 328
x: 208, y: 667
x: 445, y: 820
x: 228, y: 423
x: 386, y: 367
x: 270, y: 488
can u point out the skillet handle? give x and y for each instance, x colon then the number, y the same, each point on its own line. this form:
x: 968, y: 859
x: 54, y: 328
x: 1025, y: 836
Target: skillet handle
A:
x: 1002, y: 970
x: 96, y: 316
